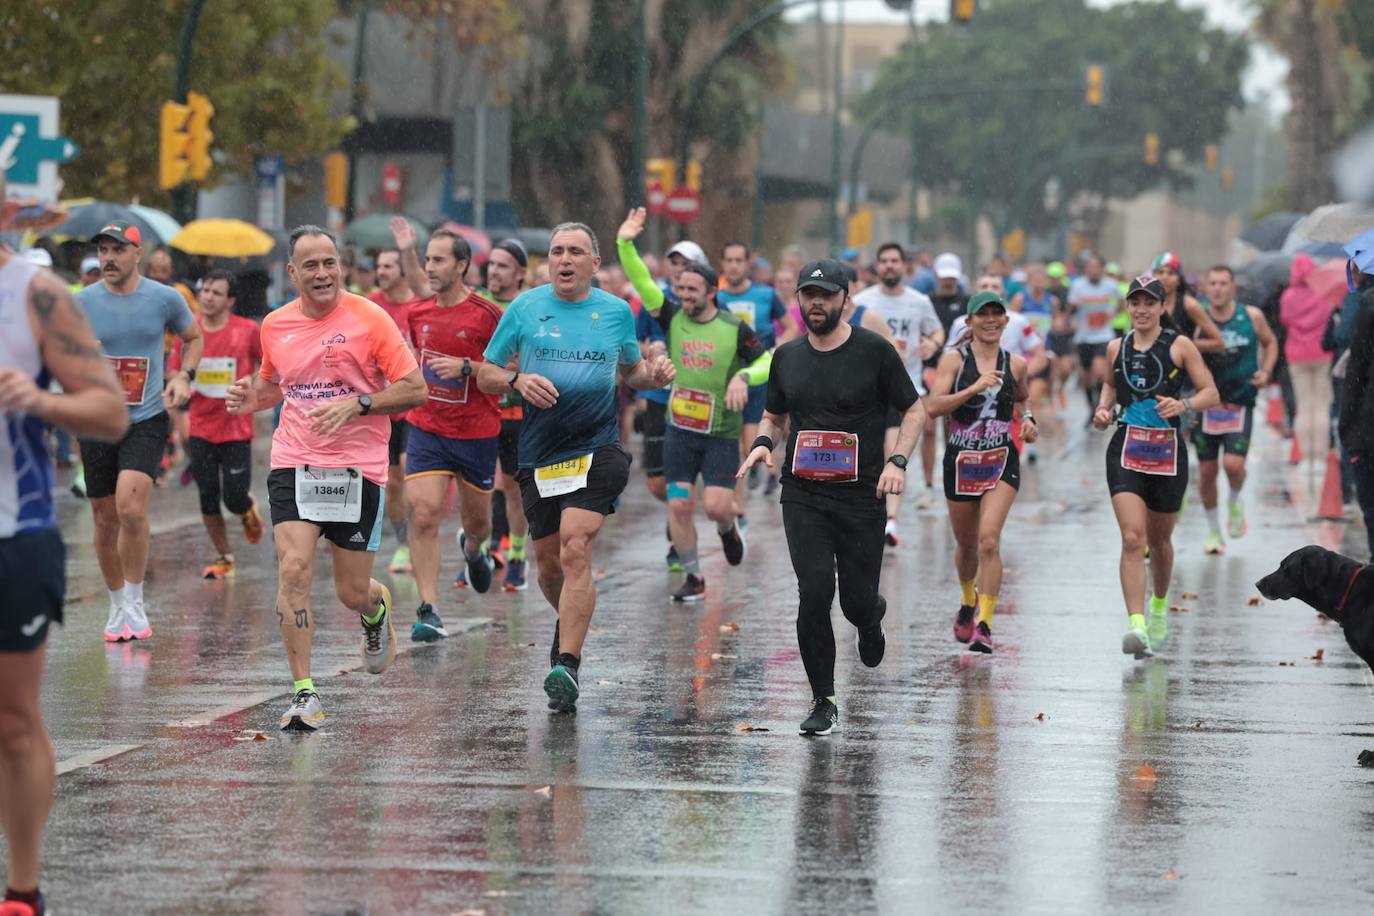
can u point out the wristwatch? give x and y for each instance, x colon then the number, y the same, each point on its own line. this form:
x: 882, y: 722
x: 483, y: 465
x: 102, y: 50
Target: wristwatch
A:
x: 511, y: 381
x: 190, y: 374
x: 467, y: 367
x: 365, y: 403
x: 898, y: 460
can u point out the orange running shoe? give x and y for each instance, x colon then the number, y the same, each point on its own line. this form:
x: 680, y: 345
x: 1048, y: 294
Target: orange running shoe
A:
x: 219, y: 569
x: 252, y: 523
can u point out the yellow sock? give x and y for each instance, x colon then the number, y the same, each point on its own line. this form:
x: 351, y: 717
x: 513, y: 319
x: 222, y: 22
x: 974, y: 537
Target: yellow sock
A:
x: 987, y: 605
x: 968, y: 596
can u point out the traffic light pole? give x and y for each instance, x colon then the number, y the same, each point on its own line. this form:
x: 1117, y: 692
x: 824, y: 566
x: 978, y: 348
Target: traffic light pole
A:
x: 184, y: 195
x: 635, y: 192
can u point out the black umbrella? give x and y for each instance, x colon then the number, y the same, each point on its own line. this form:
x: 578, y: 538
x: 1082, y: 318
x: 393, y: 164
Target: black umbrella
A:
x: 1269, y: 233
x: 85, y: 220
x: 1260, y: 278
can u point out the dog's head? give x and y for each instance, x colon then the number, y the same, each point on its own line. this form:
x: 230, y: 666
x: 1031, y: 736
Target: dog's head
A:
x: 1312, y: 574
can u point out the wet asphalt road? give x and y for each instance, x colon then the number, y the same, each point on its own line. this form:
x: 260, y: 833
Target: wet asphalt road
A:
x: 954, y: 783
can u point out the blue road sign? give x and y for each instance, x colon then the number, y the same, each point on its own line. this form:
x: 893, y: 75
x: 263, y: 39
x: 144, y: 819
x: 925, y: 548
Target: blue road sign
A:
x: 30, y: 146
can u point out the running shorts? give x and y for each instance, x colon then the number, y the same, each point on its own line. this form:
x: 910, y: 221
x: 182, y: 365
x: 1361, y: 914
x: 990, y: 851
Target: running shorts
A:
x: 1087, y: 352
x: 140, y: 450
x: 1209, y: 446
x: 1161, y: 494
x: 508, y: 451
x: 1011, y: 473
x: 33, y: 574
x: 364, y: 534
x: 655, y: 422
x: 222, y: 471
x: 688, y: 454
x: 472, y: 461
x: 606, y: 480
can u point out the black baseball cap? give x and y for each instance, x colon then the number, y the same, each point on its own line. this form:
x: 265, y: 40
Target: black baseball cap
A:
x: 515, y: 249
x: 825, y: 274
x: 122, y: 232
x: 1148, y: 285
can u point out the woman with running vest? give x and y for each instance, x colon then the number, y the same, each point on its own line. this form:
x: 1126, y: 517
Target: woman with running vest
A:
x: 1147, y: 460
x: 978, y: 386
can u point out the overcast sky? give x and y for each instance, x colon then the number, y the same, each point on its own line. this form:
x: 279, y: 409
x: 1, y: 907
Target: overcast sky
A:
x: 1264, y: 79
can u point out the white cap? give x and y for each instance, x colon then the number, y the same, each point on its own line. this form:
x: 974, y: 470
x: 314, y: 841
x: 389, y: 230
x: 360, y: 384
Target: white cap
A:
x: 949, y: 265
x: 38, y: 257
x: 89, y: 264
x: 691, y: 251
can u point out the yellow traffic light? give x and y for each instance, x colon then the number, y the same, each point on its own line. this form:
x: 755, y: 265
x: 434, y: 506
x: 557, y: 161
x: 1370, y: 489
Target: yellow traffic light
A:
x: 336, y: 180
x: 173, y: 145
x: 1210, y: 157
x: 1095, y: 85
x: 694, y: 175
x: 1152, y: 148
x: 859, y: 229
x: 1228, y: 178
x: 962, y: 10
x: 199, y: 135
x: 664, y: 171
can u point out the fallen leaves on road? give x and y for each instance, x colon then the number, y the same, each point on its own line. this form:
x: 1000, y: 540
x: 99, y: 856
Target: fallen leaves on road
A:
x: 1254, y: 601
x: 1317, y: 657
x: 1041, y: 717
x: 1197, y: 724
x: 1189, y: 596
x: 746, y: 727
x: 1172, y: 875
x: 251, y: 736
x: 546, y: 791
x: 729, y: 628
x: 1179, y: 609
x: 1286, y: 664
x: 1145, y: 776
x: 716, y: 656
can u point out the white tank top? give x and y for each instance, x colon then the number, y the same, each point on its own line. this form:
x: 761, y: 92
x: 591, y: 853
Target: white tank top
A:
x: 26, y: 478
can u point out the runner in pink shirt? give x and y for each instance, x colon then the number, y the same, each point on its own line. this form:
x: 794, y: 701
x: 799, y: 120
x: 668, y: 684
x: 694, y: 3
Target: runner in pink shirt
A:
x: 342, y: 368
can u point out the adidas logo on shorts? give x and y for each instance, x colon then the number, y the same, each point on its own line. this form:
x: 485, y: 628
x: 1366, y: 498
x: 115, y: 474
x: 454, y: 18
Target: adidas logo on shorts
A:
x: 357, y: 538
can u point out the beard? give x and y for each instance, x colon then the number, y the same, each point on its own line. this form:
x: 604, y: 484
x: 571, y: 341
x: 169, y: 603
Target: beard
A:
x: 823, y: 326
x: 890, y: 282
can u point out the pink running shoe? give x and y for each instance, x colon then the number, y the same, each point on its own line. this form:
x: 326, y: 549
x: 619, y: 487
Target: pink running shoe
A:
x: 963, y: 623
x: 982, y: 640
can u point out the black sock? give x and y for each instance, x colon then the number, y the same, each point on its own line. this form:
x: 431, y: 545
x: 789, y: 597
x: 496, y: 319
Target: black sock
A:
x: 29, y: 897
x: 569, y: 661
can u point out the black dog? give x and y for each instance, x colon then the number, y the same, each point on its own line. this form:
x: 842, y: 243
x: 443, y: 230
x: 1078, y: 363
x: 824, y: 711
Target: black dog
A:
x: 1339, y: 587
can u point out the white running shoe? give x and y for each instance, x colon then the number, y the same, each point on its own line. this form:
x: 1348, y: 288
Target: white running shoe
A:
x: 115, y: 627
x: 136, y: 621
x: 927, y: 498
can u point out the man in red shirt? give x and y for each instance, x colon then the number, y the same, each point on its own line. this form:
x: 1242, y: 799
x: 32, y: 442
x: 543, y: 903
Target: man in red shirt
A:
x: 456, y: 432
x: 220, y: 446
x: 395, y: 297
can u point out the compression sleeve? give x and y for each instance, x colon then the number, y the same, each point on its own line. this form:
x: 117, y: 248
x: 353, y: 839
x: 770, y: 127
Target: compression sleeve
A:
x: 756, y: 373
x: 639, y: 275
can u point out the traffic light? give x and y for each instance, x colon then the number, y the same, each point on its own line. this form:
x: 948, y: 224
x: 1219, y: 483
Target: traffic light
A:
x: 962, y: 10
x: 664, y: 171
x: 1152, y: 148
x: 199, y: 136
x: 1095, y: 85
x: 1228, y: 178
x: 694, y: 175
x: 336, y: 180
x: 1209, y: 156
x: 173, y: 145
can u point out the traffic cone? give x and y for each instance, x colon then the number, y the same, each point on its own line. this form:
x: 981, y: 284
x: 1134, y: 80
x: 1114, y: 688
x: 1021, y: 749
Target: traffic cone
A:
x: 1295, y: 453
x: 1332, y: 507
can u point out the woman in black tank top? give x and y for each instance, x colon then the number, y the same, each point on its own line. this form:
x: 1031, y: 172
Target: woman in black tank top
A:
x: 978, y: 386
x: 1147, y: 461
x: 1182, y: 311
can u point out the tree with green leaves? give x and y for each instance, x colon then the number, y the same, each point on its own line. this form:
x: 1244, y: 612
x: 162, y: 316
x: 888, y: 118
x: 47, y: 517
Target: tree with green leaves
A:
x: 998, y: 143
x: 263, y: 64
x: 573, y: 118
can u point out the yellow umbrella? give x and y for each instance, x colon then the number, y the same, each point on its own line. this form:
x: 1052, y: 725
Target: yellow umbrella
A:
x: 225, y: 238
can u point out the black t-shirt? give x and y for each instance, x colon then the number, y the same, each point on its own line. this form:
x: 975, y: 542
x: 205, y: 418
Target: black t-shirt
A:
x: 948, y: 308
x: 847, y: 390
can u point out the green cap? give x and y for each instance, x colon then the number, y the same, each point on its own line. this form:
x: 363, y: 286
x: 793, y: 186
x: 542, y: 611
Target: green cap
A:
x: 981, y: 300
x: 1055, y: 270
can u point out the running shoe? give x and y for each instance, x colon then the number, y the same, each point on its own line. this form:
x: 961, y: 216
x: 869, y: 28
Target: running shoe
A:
x: 1136, y: 642
x: 674, y: 564
x: 1031, y: 453
x: 963, y: 623
x: 400, y: 560
x: 871, y: 643
x: 823, y: 719
x: 741, y: 523
x: 693, y: 588
x: 136, y: 621
x: 515, y: 576
x: 20, y: 908
x: 379, y: 639
x: 253, y: 526
x: 79, y: 483
x: 771, y: 486
x: 479, y: 567
x: 1158, y: 628
x: 305, y: 714
x: 890, y: 532
x: 982, y: 639
x: 1236, y: 525
x: 1212, y: 544
x: 733, y: 543
x: 220, y: 569
x: 428, y: 626
x: 186, y: 476
x: 461, y: 580
x: 927, y: 498
x: 115, y: 628
x: 498, y: 559
x: 561, y: 686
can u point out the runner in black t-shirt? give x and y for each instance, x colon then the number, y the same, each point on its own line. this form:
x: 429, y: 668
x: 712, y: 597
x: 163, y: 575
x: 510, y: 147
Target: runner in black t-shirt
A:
x: 836, y: 386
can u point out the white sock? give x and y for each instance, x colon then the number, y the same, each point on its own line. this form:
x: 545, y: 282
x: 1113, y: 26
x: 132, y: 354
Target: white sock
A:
x: 1235, y: 498
x: 118, y: 596
x: 133, y: 592
x: 1213, y: 521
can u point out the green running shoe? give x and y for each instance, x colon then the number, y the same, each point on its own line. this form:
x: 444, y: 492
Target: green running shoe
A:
x: 1158, y: 628
x: 400, y: 560
x: 1137, y: 641
x: 1212, y: 545
x: 1236, y: 525
x: 561, y: 686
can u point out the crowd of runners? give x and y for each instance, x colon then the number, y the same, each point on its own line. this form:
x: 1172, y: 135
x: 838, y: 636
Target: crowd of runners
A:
x: 508, y: 396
